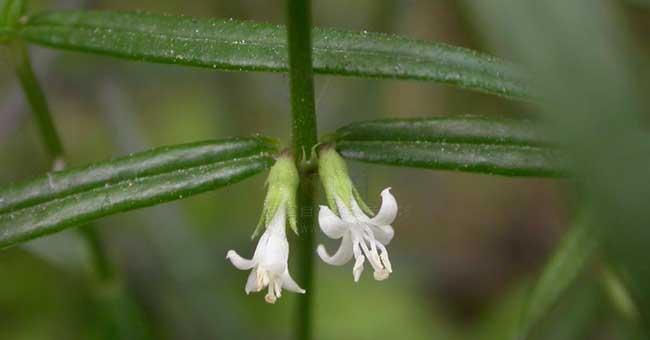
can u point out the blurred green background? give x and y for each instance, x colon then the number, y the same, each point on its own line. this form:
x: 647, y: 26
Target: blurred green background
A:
x: 467, y: 246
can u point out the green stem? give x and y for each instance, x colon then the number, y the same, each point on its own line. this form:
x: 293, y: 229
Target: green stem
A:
x: 103, y: 267
x: 37, y: 101
x: 305, y: 256
x: 304, y: 137
x: 301, y: 77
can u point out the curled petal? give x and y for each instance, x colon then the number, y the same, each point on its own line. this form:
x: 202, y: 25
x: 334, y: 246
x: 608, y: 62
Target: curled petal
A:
x: 330, y: 224
x: 388, y: 210
x: 342, y: 255
x: 238, y: 261
x: 289, y: 284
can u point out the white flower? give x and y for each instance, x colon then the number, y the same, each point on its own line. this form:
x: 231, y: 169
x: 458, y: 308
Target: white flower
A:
x: 269, y: 263
x: 362, y: 237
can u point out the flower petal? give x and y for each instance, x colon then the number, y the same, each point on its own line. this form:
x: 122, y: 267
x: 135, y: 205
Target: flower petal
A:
x: 278, y: 222
x: 384, y: 234
x: 358, y: 213
x: 261, y: 245
x: 238, y: 261
x: 388, y: 210
x: 330, y: 224
x: 275, y: 256
x: 289, y: 284
x: 251, y: 283
x: 344, y: 211
x: 343, y: 254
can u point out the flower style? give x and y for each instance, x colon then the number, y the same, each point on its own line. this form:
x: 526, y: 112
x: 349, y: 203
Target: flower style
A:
x: 269, y: 263
x: 361, y: 236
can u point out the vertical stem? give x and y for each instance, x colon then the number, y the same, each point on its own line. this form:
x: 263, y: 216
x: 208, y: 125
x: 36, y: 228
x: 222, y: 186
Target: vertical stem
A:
x: 304, y: 319
x: 101, y: 263
x: 38, y: 103
x: 301, y: 77
x: 304, y: 136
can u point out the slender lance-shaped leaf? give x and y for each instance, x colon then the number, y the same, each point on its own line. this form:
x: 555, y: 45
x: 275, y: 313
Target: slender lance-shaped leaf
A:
x: 69, y: 198
x: 449, y: 129
x: 568, y: 260
x: 466, y: 143
x: 142, y: 164
x: 251, y: 46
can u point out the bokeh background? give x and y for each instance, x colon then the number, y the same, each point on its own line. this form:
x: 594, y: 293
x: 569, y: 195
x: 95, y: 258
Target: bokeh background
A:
x: 467, y: 246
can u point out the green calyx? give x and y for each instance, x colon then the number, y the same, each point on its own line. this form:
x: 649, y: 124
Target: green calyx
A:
x: 336, y: 180
x: 282, y: 185
x: 10, y: 13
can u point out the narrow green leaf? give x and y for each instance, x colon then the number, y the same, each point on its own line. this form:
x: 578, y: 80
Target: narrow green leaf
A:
x: 148, y: 163
x: 449, y: 129
x: 251, y: 46
x: 568, y: 260
x: 69, y: 198
x: 586, y: 49
x: 466, y: 143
